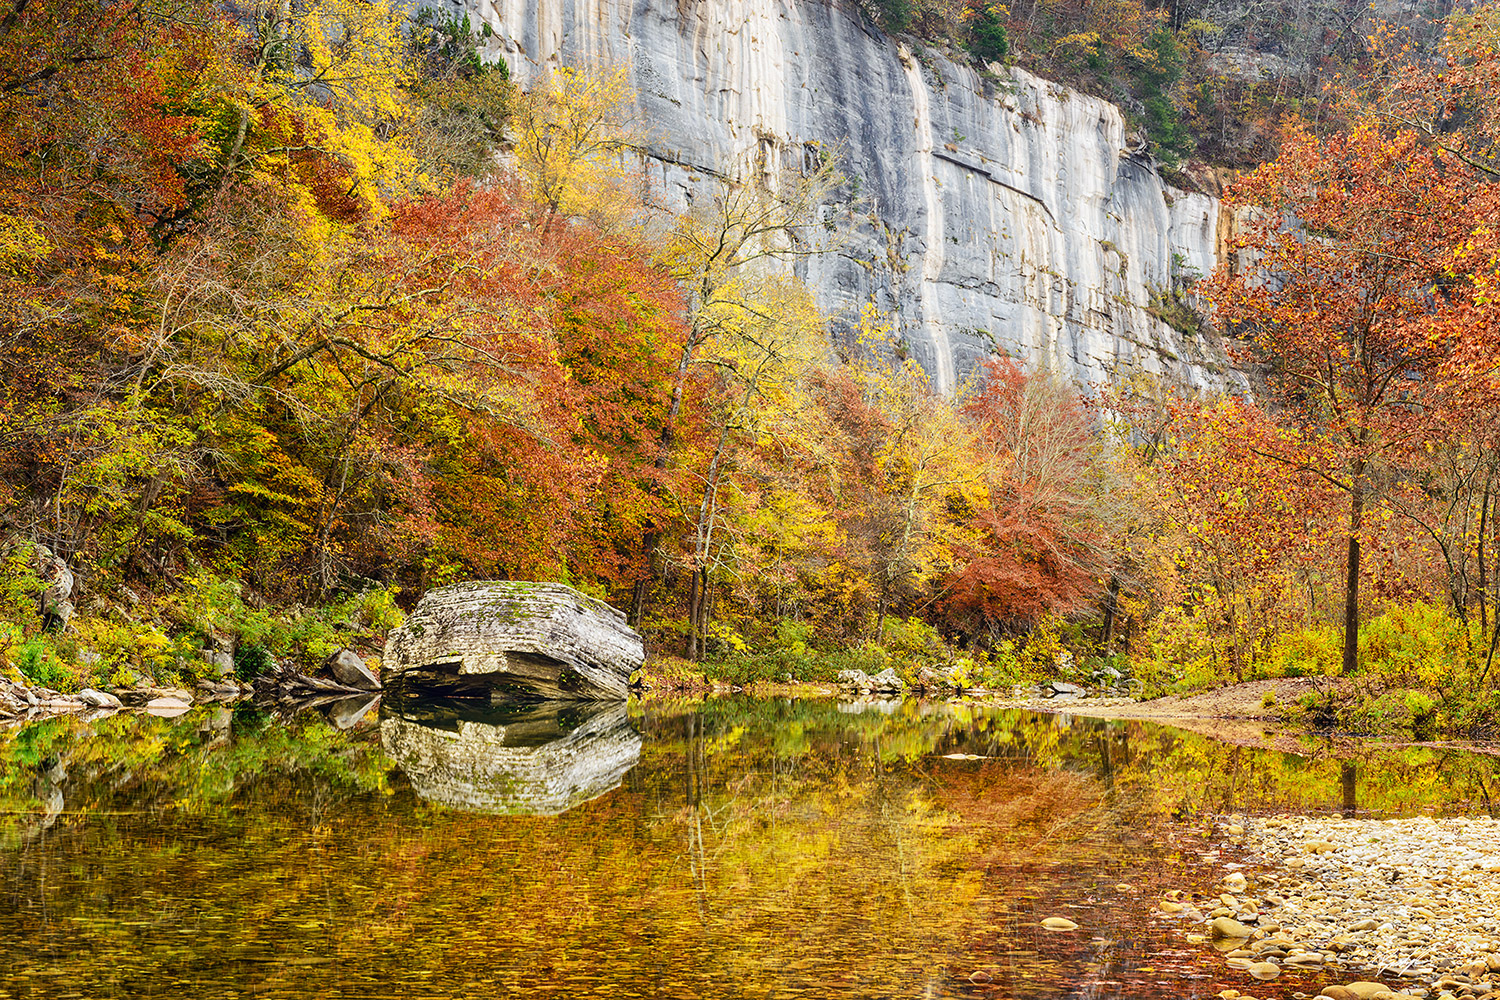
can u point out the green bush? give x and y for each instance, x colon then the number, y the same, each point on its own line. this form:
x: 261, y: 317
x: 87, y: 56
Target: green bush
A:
x: 20, y: 590
x: 1179, y: 654
x: 988, y: 41
x: 1309, y: 652
x: 38, y: 660
x: 1416, y: 645
x: 1397, y: 712
x: 209, y: 604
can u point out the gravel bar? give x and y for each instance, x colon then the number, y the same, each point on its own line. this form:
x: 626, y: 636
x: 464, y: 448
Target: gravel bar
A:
x: 1403, y: 907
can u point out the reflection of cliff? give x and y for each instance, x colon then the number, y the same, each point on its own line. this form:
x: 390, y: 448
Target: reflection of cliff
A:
x: 539, y: 759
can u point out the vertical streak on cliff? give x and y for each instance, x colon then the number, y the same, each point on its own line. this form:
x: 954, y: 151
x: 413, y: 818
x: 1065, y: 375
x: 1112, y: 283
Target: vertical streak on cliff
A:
x: 1039, y: 233
x: 933, y: 215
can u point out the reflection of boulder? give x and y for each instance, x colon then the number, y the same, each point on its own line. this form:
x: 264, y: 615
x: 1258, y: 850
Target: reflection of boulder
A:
x: 538, y: 759
x: 346, y: 713
x: 526, y: 640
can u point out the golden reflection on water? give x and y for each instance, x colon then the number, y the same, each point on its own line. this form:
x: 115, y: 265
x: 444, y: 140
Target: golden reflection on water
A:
x: 753, y: 849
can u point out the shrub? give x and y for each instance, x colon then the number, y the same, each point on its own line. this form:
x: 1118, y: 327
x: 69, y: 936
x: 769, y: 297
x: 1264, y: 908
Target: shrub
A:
x: 1308, y: 652
x: 38, y: 660
x: 1415, y: 645
x: 1402, y: 711
x: 20, y: 589
x: 988, y: 41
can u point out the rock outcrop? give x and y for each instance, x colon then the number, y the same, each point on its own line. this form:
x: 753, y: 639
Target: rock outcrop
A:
x: 539, y: 759
x: 989, y: 210
x: 859, y: 682
x: 55, y: 602
x: 514, y: 640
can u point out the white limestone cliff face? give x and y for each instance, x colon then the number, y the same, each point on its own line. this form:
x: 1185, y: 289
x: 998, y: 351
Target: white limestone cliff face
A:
x: 989, y: 213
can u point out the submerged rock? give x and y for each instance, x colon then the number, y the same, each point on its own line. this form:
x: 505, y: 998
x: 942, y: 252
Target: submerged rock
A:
x: 515, y: 639
x: 536, y: 759
x: 1224, y: 927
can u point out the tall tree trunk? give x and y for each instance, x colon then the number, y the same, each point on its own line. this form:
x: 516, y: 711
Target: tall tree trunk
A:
x: 1351, y: 584
x: 1483, y: 588
x: 652, y: 537
x: 1111, y: 608
x: 695, y: 596
x: 705, y: 609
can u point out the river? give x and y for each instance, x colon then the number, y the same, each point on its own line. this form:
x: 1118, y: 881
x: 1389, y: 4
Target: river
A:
x: 724, y: 848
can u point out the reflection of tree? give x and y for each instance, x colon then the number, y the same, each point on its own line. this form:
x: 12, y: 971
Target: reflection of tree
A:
x: 758, y: 849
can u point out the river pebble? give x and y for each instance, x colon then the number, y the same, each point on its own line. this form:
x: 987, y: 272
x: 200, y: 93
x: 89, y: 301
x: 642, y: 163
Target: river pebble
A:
x: 1391, y: 908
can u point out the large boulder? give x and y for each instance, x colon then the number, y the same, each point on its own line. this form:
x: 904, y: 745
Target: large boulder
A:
x: 350, y: 670
x: 514, y: 640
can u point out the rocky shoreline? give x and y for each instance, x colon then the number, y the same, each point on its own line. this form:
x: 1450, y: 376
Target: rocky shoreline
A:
x: 21, y: 702
x: 344, y: 675
x: 1394, y: 907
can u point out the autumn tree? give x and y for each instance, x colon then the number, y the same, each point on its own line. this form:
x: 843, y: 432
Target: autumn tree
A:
x: 732, y: 244
x: 1050, y: 502
x: 1346, y: 282
x: 766, y: 342
x: 575, y: 134
x: 925, y: 467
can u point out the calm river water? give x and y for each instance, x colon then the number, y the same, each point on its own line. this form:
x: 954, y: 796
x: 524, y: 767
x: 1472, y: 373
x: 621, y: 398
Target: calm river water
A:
x: 729, y: 848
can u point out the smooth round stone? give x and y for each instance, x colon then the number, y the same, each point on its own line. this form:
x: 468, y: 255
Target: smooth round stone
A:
x: 1264, y: 970
x: 1267, y: 943
x: 1224, y: 927
x: 1059, y: 924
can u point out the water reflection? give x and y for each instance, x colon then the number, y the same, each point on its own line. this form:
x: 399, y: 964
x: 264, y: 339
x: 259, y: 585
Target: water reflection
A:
x: 759, y: 849
x: 534, y: 759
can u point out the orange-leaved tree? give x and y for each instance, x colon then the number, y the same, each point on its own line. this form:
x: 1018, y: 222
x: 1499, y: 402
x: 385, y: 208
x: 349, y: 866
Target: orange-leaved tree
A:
x: 1345, y: 279
x: 1043, y: 530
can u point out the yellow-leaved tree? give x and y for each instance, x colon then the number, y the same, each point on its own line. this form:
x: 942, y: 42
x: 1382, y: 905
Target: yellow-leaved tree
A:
x: 768, y: 339
x: 927, y: 465
x: 323, y: 99
x: 575, y: 134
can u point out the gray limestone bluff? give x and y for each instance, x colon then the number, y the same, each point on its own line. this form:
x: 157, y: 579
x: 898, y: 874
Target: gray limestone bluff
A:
x: 539, y: 759
x: 991, y: 212
x: 511, y: 639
